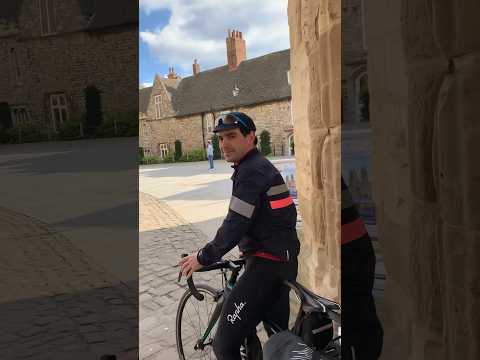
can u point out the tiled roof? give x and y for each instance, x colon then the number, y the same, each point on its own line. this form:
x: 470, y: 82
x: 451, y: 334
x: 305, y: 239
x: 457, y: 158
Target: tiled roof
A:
x: 143, y: 98
x: 258, y: 80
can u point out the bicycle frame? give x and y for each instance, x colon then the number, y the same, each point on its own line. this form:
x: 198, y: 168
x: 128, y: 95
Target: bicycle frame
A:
x: 220, y: 297
x: 234, y: 268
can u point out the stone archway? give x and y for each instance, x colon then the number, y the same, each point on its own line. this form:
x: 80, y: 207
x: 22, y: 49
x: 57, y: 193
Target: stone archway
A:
x: 315, y: 31
x: 290, y: 145
x: 424, y: 116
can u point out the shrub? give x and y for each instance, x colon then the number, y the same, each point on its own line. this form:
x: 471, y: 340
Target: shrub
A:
x: 118, y: 124
x: 169, y: 158
x: 26, y: 133
x: 5, y: 117
x: 70, y: 130
x: 194, y: 155
x: 216, y: 147
x: 178, y: 150
x: 150, y: 159
x: 93, y: 108
x: 265, y: 146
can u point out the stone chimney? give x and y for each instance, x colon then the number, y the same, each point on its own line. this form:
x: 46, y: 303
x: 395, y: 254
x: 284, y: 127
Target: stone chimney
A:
x: 236, y: 49
x: 196, y: 67
x: 171, y: 73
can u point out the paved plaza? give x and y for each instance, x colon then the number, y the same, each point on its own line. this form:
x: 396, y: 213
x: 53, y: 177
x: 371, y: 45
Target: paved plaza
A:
x: 164, y: 236
x: 56, y: 301
x: 67, y: 289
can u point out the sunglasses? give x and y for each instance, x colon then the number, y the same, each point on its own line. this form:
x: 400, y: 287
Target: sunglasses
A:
x: 232, y: 119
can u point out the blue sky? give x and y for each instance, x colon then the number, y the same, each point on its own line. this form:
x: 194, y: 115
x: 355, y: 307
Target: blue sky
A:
x: 174, y: 32
x: 149, y: 63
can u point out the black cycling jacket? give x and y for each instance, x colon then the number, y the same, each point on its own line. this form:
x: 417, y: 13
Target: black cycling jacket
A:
x: 261, y: 214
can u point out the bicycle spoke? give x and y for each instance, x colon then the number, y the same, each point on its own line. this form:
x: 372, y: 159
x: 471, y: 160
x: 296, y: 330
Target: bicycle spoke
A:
x: 191, y: 321
x: 195, y: 319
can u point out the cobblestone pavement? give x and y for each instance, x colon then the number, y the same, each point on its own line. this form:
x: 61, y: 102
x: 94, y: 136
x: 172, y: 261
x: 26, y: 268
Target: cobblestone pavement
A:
x: 55, y: 301
x: 164, y: 236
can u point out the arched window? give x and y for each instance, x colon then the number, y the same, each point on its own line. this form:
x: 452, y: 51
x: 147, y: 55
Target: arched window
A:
x: 362, y: 98
x: 290, y: 145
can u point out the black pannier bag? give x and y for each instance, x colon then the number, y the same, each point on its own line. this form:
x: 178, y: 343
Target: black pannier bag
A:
x: 287, y: 346
x: 315, y: 329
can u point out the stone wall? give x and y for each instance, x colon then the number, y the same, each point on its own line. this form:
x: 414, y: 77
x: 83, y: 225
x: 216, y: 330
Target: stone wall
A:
x: 145, y: 133
x: 68, y: 62
x: 315, y: 31
x: 187, y: 129
x: 273, y: 117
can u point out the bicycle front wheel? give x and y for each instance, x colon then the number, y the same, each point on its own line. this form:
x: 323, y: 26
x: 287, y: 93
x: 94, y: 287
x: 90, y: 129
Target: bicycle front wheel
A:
x: 192, y: 321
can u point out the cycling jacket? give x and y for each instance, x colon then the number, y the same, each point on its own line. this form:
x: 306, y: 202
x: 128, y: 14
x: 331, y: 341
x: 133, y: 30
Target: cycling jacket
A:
x: 261, y: 216
x: 353, y: 227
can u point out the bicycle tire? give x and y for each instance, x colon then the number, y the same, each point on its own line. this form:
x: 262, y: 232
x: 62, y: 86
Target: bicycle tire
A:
x: 209, y: 293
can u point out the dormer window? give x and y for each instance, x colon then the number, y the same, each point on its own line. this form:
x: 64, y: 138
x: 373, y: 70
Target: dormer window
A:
x: 47, y: 17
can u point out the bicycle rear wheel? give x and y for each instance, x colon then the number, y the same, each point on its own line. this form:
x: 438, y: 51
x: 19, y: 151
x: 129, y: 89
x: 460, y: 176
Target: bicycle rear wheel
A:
x: 192, y: 320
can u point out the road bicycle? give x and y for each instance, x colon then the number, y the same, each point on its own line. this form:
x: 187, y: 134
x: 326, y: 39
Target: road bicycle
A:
x: 200, y: 307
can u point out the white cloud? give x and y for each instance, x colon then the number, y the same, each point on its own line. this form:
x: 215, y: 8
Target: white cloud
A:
x: 197, y: 30
x: 145, y: 84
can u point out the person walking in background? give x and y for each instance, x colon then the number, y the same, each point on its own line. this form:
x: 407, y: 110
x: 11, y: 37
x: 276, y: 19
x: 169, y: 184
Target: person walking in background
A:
x: 210, y: 154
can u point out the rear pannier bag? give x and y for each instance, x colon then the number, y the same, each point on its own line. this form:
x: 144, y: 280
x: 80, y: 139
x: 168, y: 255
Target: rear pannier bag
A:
x: 287, y: 346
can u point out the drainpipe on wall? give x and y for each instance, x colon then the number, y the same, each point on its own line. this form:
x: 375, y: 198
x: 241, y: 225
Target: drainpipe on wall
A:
x: 203, y: 130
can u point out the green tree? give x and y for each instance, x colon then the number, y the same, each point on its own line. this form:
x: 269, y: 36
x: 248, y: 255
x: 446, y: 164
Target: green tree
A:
x: 5, y: 117
x: 178, y: 150
x: 216, y: 147
x: 93, y: 105
x: 265, y: 145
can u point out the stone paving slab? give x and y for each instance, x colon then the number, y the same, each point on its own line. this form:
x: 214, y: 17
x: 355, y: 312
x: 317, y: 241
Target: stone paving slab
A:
x: 55, y: 301
x: 164, y: 236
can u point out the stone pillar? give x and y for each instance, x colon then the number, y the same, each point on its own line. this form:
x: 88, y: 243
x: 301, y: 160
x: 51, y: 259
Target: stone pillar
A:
x: 424, y: 71
x: 315, y: 32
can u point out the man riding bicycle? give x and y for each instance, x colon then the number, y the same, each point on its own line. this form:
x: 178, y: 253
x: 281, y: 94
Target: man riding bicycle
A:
x: 261, y: 220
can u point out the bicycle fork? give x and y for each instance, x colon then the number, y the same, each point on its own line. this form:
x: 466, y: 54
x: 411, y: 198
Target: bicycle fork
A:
x: 200, y: 345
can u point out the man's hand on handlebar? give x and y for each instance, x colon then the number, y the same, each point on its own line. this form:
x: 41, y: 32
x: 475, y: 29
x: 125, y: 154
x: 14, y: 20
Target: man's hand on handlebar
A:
x: 189, y: 264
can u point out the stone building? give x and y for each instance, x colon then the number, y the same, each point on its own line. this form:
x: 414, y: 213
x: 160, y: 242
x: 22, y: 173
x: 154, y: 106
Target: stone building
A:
x: 186, y: 109
x: 51, y: 51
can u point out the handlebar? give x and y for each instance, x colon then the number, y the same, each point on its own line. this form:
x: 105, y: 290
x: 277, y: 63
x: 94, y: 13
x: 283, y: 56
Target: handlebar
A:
x: 194, y: 290
x: 224, y: 264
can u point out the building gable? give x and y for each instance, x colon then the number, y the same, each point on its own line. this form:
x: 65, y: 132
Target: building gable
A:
x: 160, y: 103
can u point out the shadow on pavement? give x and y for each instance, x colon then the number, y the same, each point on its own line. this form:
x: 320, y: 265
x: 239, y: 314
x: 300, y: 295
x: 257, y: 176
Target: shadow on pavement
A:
x: 69, y: 157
